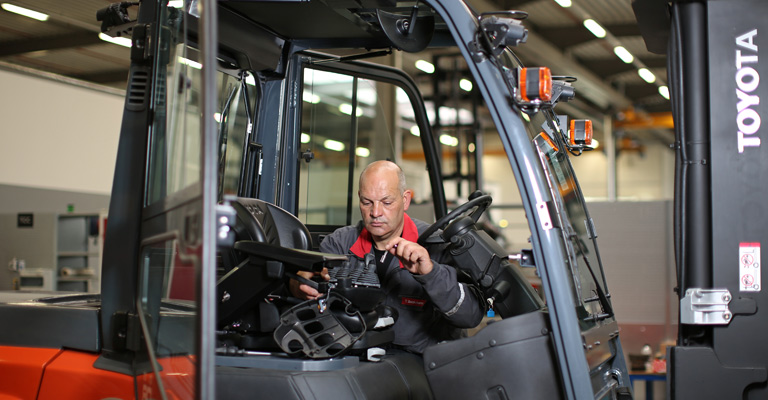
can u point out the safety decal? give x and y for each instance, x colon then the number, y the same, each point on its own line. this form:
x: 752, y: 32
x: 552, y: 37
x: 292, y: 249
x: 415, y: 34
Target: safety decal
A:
x: 749, y: 267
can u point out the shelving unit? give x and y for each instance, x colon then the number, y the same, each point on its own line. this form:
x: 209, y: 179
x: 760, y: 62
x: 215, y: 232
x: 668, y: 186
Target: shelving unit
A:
x: 79, y: 247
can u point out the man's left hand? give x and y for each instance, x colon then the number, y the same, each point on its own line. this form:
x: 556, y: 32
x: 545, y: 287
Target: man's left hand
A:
x: 414, y: 257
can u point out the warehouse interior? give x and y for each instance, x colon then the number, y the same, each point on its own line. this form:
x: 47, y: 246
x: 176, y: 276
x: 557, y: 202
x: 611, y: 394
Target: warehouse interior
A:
x: 62, y: 103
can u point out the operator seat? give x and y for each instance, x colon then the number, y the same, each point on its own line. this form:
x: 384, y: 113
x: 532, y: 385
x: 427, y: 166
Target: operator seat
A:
x: 261, y: 221
x: 244, y: 281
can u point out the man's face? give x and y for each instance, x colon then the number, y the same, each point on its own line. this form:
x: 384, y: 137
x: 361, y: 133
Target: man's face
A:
x: 382, y: 205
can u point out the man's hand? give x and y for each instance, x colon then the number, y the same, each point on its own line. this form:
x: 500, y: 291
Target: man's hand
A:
x: 414, y: 257
x: 306, y: 292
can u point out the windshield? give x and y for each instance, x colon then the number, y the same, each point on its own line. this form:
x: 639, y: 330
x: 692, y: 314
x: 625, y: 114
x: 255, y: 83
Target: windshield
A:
x: 583, y: 262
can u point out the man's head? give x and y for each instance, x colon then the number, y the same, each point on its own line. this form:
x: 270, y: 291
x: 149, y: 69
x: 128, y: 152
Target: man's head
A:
x: 383, y: 200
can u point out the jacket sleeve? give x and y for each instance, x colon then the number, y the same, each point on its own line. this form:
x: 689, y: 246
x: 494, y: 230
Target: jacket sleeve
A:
x: 461, y: 304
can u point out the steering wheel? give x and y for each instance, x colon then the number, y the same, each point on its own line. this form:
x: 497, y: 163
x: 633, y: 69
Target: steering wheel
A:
x: 476, y: 208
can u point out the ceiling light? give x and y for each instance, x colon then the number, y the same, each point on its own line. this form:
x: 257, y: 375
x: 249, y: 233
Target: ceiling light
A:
x: 190, y: 63
x: 176, y: 3
x: 121, y: 41
x: 647, y: 75
x: 564, y: 3
x: 24, y: 11
x: 362, y: 152
x: 346, y: 108
x: 623, y: 54
x: 415, y: 130
x: 471, y: 148
x: 664, y: 92
x: 310, y: 97
x: 425, y: 66
x: 594, y: 27
x: 449, y: 140
x: 465, y: 85
x: 305, y: 137
x: 333, y: 145
x: 503, y: 223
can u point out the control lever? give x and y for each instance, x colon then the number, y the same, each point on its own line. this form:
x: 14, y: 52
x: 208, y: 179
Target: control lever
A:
x: 320, y: 286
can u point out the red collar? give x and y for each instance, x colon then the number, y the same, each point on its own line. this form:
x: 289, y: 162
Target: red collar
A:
x: 364, y: 241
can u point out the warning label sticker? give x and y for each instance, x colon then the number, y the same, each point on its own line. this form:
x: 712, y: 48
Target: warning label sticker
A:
x: 749, y: 267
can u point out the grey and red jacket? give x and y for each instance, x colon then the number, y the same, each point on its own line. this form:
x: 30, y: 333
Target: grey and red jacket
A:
x: 432, y: 307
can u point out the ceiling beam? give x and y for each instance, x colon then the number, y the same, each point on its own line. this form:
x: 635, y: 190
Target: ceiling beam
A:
x: 566, y: 37
x: 539, y: 51
x: 614, y: 66
x: 56, y: 42
x: 105, y: 77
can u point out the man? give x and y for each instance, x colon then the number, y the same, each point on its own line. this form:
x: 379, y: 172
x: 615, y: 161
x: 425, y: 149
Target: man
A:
x: 430, y: 302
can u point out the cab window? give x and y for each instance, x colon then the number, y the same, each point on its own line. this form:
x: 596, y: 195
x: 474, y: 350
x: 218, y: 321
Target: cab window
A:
x: 347, y: 122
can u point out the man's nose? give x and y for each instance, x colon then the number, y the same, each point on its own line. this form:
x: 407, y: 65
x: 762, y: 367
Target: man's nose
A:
x: 376, y: 210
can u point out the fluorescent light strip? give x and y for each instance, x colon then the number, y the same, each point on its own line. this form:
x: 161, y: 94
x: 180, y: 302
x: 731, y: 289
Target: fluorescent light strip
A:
x: 24, y: 11
x: 623, y: 54
x: 362, y: 152
x: 449, y: 140
x: 120, y: 41
x: 664, y: 92
x: 346, y: 108
x: 425, y: 66
x: 465, y: 85
x: 310, y: 97
x: 333, y: 145
x: 190, y: 63
x: 647, y: 75
x: 594, y: 27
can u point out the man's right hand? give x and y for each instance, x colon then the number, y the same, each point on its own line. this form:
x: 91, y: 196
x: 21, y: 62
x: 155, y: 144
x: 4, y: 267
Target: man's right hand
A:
x: 306, y: 292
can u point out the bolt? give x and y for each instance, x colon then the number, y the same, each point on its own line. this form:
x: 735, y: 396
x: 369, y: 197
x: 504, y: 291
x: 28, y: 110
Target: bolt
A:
x: 226, y: 297
x: 727, y: 316
x: 726, y: 298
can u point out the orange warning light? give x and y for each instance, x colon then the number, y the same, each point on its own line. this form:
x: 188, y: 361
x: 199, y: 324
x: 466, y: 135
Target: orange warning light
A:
x: 580, y: 132
x: 535, y: 84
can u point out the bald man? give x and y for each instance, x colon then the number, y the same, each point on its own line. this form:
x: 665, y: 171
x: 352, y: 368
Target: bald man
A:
x: 431, y: 303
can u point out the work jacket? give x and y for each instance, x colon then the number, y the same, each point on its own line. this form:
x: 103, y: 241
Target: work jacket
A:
x: 430, y: 308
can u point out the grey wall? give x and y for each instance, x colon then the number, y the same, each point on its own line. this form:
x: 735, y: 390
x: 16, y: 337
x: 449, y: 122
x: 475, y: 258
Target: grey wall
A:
x: 15, y: 199
x: 637, y: 248
x: 36, y: 245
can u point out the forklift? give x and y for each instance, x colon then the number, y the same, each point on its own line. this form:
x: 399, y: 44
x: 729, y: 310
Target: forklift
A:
x: 714, y: 72
x: 245, y: 127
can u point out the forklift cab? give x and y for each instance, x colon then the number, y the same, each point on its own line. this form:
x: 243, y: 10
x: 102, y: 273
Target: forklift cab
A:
x: 245, y: 129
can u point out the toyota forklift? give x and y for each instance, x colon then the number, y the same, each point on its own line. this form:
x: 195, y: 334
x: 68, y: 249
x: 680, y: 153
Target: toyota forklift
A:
x: 714, y: 67
x: 245, y: 127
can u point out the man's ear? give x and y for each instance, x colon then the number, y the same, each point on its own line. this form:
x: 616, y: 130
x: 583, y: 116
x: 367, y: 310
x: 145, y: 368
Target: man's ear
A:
x: 407, y: 195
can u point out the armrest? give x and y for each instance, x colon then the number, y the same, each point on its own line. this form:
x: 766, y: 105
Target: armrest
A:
x: 302, y: 259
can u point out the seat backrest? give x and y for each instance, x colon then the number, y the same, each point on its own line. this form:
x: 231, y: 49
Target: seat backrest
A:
x: 265, y: 222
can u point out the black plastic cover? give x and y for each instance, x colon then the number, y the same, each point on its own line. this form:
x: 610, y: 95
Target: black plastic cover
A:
x: 508, y: 359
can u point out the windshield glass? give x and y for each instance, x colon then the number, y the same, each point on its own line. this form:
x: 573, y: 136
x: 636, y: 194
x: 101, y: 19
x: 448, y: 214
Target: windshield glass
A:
x: 588, y: 282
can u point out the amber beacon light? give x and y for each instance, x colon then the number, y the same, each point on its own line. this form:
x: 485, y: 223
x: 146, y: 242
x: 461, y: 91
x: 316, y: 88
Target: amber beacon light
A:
x: 580, y: 132
x: 535, y: 84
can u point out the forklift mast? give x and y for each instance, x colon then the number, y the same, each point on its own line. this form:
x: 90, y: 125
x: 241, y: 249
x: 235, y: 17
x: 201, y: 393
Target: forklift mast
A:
x: 714, y: 67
